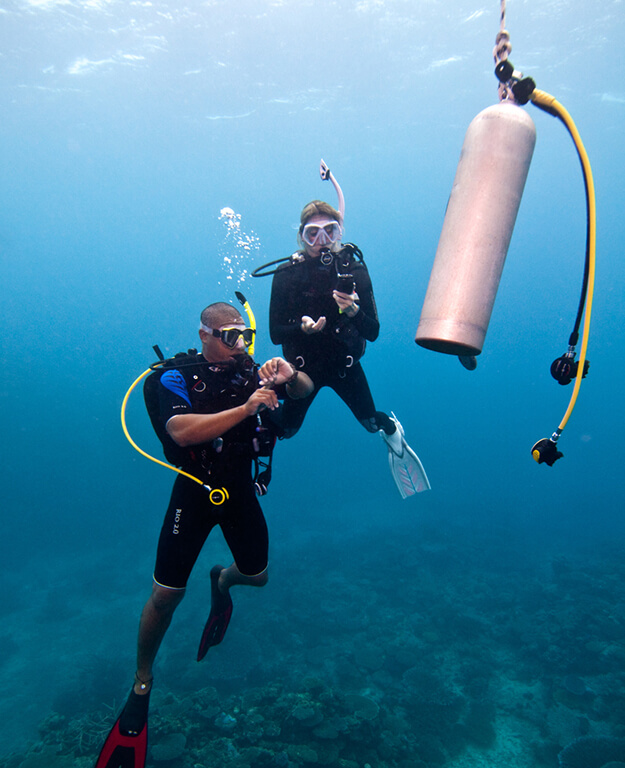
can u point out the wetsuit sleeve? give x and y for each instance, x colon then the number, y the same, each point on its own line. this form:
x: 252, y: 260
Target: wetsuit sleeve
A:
x: 173, y: 395
x: 366, y: 319
x: 283, y: 326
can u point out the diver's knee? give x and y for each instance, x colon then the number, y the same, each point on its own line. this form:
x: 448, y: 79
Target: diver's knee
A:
x: 289, y: 432
x: 306, y: 386
x: 260, y: 579
x: 166, y: 599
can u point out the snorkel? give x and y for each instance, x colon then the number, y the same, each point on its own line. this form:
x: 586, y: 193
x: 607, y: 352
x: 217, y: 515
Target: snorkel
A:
x: 272, y: 266
x: 326, y: 174
x: 250, y: 316
x: 321, y: 225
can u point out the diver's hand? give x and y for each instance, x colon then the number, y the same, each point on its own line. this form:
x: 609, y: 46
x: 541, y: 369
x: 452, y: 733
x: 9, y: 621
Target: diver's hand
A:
x: 347, y: 302
x: 311, y: 326
x: 275, y: 372
x: 259, y: 400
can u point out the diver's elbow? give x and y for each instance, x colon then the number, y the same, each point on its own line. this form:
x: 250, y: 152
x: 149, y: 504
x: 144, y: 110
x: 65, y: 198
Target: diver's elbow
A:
x: 178, y: 433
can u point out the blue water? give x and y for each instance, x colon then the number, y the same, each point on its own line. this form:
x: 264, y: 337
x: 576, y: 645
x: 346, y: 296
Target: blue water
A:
x: 126, y: 129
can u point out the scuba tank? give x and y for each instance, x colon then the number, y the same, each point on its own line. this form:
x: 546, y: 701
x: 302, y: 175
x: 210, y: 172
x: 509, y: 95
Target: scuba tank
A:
x: 481, y: 212
x: 478, y: 225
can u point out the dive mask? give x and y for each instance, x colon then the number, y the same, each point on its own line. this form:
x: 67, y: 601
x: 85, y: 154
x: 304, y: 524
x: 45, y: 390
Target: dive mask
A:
x: 230, y: 336
x: 321, y: 234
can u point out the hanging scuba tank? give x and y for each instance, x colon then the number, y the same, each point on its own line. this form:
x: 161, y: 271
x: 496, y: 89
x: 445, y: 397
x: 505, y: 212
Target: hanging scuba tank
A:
x: 478, y: 225
x: 481, y: 212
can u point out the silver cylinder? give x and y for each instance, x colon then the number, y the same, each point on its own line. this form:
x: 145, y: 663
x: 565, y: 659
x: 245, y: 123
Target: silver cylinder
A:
x: 477, y: 229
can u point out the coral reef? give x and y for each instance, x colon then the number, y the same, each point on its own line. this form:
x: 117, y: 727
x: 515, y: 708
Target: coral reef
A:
x: 169, y: 748
x: 499, y: 667
x: 592, y: 752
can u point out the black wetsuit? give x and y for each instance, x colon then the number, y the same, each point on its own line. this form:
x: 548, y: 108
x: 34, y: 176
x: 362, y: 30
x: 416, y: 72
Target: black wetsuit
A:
x: 225, y: 462
x: 331, y: 357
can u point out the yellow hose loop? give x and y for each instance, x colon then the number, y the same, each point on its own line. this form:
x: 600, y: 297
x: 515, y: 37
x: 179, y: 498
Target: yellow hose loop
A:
x: 216, y: 495
x: 545, y: 100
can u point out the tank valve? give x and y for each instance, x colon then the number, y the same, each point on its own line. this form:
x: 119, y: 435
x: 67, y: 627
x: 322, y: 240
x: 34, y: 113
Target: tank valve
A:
x: 522, y: 87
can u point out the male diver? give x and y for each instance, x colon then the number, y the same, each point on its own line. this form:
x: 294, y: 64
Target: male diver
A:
x: 213, y: 413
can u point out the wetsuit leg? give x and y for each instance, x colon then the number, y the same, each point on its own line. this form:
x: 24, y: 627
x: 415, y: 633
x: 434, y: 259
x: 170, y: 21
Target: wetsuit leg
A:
x: 293, y: 413
x: 353, y: 389
x: 189, y: 519
x: 245, y: 530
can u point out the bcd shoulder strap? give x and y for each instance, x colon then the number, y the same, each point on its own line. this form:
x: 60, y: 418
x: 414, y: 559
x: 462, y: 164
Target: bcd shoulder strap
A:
x: 173, y: 452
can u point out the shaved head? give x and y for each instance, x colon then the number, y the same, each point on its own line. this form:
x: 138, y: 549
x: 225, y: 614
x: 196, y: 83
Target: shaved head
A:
x: 220, y: 313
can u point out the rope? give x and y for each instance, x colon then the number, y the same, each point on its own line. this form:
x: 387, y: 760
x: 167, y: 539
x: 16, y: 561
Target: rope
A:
x: 501, y: 51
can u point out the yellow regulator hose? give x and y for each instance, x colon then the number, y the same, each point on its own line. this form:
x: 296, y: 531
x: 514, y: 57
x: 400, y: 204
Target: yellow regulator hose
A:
x: 216, y: 495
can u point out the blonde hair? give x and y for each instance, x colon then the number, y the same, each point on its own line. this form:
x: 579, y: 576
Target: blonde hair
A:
x: 318, y: 207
